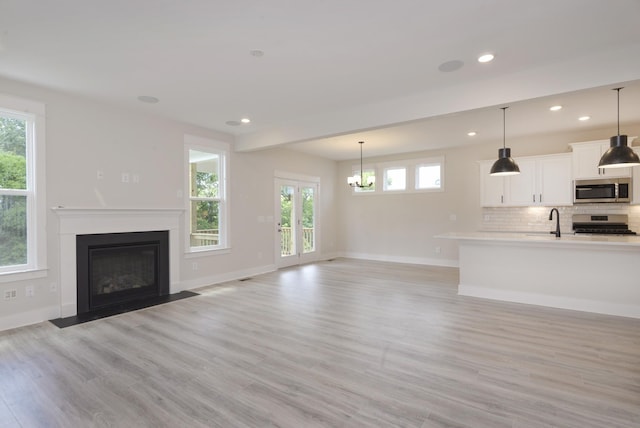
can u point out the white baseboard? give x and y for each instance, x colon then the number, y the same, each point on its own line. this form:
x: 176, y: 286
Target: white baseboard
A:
x: 30, y: 317
x: 229, y: 276
x: 607, y: 308
x: 399, y: 259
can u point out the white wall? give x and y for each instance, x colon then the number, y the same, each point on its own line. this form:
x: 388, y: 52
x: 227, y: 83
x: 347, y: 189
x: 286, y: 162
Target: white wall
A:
x: 83, y: 136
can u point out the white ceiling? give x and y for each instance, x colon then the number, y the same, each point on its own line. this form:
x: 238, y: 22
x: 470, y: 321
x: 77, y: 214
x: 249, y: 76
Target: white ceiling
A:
x: 343, y: 70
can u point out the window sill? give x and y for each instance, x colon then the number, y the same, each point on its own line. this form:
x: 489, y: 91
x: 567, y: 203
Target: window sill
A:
x: 23, y: 275
x: 205, y: 253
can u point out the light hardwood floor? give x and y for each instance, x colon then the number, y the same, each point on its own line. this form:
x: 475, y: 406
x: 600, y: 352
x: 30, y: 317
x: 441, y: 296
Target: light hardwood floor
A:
x: 343, y: 343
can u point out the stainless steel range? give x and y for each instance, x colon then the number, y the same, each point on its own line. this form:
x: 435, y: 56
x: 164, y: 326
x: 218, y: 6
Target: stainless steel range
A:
x: 602, y: 224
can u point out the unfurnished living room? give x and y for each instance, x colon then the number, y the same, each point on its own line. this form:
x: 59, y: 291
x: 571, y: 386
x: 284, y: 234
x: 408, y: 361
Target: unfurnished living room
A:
x: 319, y: 214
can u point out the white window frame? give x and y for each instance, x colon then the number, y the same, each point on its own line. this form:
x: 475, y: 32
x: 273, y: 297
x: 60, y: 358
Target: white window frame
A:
x: 222, y: 149
x: 34, y: 114
x: 384, y: 177
x: 429, y: 162
x: 411, y: 167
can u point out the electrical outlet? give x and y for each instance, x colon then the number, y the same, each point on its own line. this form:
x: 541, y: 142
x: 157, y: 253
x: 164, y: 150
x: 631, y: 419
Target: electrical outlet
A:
x: 29, y: 291
x: 194, y: 266
x: 437, y: 250
x: 10, y: 294
x: 125, y: 177
x: 53, y: 287
x: 135, y: 178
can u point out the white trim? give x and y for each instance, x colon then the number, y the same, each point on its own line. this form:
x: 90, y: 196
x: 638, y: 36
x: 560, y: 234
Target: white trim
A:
x: 81, y: 221
x: 226, y: 277
x: 561, y: 302
x: 428, y: 261
x: 293, y: 176
x: 24, y: 275
x: 30, y: 317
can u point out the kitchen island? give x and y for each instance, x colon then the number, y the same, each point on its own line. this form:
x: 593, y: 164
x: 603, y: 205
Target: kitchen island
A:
x: 581, y: 272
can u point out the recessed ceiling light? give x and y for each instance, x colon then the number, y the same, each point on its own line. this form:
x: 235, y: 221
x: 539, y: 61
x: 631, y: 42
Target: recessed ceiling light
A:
x: 584, y: 118
x: 148, y: 99
x: 449, y: 66
x: 245, y: 120
x: 555, y: 108
x: 486, y: 57
x: 471, y: 133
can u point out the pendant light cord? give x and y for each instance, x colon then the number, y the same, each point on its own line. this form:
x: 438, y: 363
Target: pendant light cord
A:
x: 504, y: 126
x: 618, y: 89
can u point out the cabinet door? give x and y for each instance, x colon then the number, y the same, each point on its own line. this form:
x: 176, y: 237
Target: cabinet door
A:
x: 635, y: 183
x: 554, y: 182
x: 491, y: 188
x: 521, y: 188
x: 586, y: 158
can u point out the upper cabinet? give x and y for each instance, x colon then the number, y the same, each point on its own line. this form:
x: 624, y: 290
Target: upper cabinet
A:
x: 586, y: 157
x: 543, y: 180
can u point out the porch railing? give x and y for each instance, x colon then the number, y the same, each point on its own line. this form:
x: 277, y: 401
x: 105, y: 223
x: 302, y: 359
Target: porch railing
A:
x: 204, y: 237
x: 286, y: 240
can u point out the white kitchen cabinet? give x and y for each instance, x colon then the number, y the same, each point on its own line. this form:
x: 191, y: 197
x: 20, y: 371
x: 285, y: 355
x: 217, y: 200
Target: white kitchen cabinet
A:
x: 491, y: 188
x: 635, y: 182
x: 586, y: 157
x: 543, y: 180
x: 554, y: 185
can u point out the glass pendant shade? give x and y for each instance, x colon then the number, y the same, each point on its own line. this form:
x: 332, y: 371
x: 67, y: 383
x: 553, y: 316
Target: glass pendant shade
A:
x: 505, y: 165
x: 619, y: 154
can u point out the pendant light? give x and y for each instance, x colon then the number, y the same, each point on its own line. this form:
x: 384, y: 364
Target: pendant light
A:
x: 619, y: 154
x: 356, y: 180
x: 505, y: 165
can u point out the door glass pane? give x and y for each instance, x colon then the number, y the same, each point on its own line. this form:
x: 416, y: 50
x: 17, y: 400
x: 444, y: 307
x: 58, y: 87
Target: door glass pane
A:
x: 13, y: 230
x: 308, y: 220
x: 287, y: 220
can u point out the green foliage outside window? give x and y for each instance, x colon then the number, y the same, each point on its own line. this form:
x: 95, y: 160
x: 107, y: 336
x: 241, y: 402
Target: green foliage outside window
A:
x: 13, y: 176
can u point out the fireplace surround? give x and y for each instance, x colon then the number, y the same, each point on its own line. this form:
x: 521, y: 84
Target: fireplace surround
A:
x: 86, y: 221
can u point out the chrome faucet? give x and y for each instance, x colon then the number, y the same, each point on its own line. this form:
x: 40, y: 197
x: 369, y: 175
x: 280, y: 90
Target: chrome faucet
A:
x: 557, y: 232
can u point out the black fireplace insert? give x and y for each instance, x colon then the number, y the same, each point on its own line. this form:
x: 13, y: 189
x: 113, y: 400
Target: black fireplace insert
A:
x: 117, y: 269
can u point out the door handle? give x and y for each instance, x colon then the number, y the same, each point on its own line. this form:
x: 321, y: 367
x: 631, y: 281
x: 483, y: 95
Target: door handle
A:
x: 279, y: 228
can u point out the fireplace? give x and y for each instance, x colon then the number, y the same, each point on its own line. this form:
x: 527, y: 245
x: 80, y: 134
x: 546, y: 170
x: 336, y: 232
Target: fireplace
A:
x: 118, y: 270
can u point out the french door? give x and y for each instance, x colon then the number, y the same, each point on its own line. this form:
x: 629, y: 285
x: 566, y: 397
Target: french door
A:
x: 296, y: 222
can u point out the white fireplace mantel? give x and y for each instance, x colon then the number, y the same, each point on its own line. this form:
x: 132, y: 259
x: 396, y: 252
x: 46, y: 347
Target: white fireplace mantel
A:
x: 82, y: 221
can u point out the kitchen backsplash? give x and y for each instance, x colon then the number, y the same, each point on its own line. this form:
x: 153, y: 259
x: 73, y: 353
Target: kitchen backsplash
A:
x: 536, y: 219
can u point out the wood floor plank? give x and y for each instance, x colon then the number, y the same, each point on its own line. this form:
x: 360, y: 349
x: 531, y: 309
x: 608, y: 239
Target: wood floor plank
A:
x: 345, y: 343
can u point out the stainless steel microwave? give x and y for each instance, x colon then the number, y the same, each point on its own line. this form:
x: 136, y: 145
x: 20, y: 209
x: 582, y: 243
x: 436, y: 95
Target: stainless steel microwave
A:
x: 602, y: 190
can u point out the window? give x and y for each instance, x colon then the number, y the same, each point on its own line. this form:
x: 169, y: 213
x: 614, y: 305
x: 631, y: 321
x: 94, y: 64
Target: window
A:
x: 22, y: 217
x: 428, y: 176
x: 395, y: 178
x: 206, y: 183
x: 406, y: 176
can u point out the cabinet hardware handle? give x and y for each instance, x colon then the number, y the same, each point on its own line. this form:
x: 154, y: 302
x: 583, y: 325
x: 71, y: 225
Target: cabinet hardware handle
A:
x: 502, y: 199
x: 540, y: 198
x: 534, y: 198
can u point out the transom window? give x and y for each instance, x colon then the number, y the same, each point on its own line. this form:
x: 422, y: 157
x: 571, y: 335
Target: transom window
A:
x: 406, y: 176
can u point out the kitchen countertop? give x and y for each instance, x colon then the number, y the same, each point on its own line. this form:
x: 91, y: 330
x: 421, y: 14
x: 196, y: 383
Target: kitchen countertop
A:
x: 541, y: 237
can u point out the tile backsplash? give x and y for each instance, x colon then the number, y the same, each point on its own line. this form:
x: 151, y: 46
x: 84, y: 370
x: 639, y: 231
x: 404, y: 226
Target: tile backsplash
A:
x: 536, y: 219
